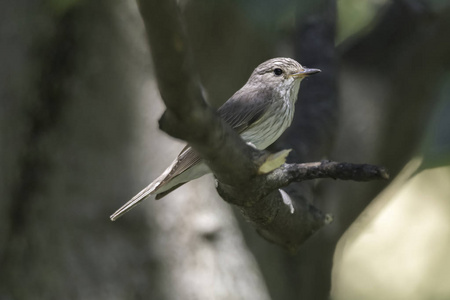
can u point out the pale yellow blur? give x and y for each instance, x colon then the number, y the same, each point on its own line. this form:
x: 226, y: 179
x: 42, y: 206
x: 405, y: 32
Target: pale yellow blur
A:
x: 400, y: 246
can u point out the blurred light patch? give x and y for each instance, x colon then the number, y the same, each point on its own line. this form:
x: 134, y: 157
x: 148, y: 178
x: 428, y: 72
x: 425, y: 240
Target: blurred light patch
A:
x: 355, y: 15
x: 399, y: 247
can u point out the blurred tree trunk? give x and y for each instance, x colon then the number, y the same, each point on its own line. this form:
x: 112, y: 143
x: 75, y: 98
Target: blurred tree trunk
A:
x: 69, y: 78
x: 75, y: 90
x: 307, y: 275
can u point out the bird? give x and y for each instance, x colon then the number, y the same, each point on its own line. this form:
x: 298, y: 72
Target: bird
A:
x: 260, y: 112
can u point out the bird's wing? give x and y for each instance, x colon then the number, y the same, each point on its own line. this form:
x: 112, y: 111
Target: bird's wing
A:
x: 243, y: 109
x: 186, y: 159
x: 238, y: 113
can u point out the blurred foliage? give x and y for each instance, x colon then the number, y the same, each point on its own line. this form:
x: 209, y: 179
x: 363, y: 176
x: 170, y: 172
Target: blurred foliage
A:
x: 269, y: 16
x: 358, y: 16
x: 355, y: 16
x: 59, y: 7
x: 275, y: 17
x: 438, y: 5
x: 436, y: 146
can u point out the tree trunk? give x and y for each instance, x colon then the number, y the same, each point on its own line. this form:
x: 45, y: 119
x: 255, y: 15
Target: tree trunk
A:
x: 78, y: 100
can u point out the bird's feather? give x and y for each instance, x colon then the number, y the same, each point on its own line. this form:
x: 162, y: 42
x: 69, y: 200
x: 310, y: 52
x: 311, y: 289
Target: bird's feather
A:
x: 237, y: 113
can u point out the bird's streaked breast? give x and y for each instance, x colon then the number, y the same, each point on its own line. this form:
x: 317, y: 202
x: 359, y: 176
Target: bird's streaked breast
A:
x: 275, y: 121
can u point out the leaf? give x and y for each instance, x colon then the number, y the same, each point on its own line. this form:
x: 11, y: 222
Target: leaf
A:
x: 273, y: 161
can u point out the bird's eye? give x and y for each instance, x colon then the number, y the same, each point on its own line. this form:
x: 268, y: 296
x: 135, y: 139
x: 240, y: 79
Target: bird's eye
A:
x: 277, y: 71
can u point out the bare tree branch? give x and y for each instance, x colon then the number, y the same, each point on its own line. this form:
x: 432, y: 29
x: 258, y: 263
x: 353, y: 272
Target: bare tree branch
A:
x: 188, y: 117
x: 326, y: 169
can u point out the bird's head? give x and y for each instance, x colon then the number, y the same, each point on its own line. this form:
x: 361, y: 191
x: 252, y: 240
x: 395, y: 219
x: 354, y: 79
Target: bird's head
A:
x: 280, y: 73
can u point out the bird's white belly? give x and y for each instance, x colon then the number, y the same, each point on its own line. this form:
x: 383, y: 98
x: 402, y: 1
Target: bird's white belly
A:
x: 266, y: 131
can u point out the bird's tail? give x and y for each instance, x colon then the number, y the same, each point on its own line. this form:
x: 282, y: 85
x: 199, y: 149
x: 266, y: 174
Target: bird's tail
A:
x: 152, y: 188
x: 135, y: 200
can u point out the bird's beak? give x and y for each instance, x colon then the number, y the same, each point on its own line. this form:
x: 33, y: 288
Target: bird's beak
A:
x: 306, y: 72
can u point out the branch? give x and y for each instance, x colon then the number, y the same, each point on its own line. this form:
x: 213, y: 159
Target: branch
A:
x: 189, y: 117
x: 326, y: 169
x: 278, y: 217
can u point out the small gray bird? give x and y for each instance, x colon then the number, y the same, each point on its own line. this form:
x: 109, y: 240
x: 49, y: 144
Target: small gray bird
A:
x: 260, y: 112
